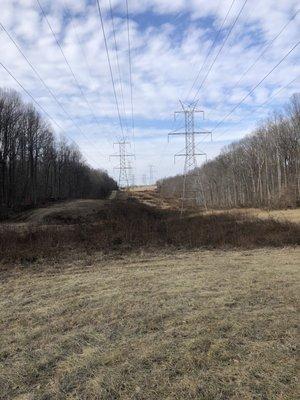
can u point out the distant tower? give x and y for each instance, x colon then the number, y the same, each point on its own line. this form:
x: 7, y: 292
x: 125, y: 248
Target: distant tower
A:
x: 131, y: 177
x: 124, y: 167
x: 151, y: 174
x: 144, y: 179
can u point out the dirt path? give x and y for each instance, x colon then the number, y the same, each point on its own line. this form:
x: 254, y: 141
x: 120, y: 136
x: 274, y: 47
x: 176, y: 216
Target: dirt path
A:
x: 68, y: 212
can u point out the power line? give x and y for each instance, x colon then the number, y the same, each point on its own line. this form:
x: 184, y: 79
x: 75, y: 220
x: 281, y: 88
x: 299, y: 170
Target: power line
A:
x: 88, y: 67
x: 263, y: 52
x: 265, y: 49
x: 40, y: 106
x: 117, y: 60
x: 218, y: 53
x: 67, y: 63
x: 263, y: 104
x: 110, y: 67
x: 210, y: 50
x: 256, y: 86
x: 130, y: 70
x: 87, y: 64
x: 44, y: 84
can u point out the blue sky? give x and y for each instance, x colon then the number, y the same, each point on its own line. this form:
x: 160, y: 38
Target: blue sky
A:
x: 170, y: 40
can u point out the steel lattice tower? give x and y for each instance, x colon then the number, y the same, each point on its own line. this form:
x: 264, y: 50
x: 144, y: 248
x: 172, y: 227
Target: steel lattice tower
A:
x: 131, y: 176
x: 191, y: 179
x: 144, y: 179
x: 151, y: 174
x: 124, y: 166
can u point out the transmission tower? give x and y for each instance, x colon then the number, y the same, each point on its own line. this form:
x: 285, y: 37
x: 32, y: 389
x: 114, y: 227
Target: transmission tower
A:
x: 191, y: 179
x: 124, y: 166
x: 131, y: 176
x: 151, y: 174
x: 144, y: 179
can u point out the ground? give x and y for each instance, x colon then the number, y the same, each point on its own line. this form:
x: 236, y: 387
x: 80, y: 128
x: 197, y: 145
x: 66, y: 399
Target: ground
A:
x: 149, y: 323
x: 188, y: 325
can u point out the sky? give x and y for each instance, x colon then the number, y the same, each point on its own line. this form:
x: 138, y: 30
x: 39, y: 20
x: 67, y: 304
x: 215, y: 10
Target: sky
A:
x: 172, y: 43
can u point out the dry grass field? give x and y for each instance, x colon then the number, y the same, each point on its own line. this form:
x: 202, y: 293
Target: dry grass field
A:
x: 188, y: 325
x: 125, y: 225
x: 292, y: 215
x: 122, y: 299
x: 149, y: 196
x: 289, y: 215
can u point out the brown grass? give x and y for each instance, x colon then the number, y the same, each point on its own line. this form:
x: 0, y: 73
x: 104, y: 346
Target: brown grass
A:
x: 210, y: 325
x: 154, y: 198
x: 128, y: 225
x: 288, y: 215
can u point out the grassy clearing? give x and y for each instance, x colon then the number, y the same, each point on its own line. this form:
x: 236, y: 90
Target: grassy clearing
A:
x: 197, y: 325
x: 125, y: 225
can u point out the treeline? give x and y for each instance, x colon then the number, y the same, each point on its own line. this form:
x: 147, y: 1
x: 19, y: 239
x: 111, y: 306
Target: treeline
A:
x: 261, y: 170
x: 34, y: 166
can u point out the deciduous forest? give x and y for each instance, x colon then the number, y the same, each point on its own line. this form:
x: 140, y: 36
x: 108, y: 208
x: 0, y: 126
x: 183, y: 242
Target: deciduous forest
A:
x: 35, y: 167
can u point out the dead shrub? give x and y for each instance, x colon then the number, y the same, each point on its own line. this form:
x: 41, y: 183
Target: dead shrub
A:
x: 127, y: 225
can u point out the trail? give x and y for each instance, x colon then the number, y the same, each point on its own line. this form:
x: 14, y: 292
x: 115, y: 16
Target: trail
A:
x: 64, y: 212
